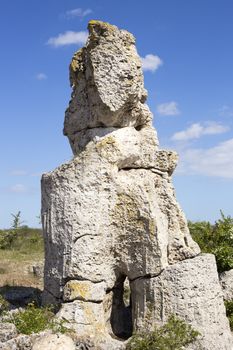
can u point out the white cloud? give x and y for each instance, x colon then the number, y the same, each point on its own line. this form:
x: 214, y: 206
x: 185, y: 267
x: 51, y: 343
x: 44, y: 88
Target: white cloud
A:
x: 151, y: 62
x: 68, y: 38
x: 18, y: 188
x: 18, y: 173
x: 41, y: 76
x: 226, y: 111
x: 168, y: 108
x: 216, y: 161
x: 196, y: 130
x: 78, y: 12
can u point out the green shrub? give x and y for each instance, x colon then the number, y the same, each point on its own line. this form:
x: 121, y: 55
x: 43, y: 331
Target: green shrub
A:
x: 229, y: 310
x: 4, y: 305
x: 6, y: 238
x: 216, y: 239
x: 22, y: 239
x: 36, y: 319
x: 172, y: 336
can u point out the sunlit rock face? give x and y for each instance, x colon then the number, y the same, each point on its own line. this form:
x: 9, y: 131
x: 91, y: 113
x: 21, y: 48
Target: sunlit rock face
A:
x: 111, y: 214
x: 107, y: 81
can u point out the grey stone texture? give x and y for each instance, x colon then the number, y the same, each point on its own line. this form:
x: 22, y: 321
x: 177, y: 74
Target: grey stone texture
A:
x: 189, y: 289
x: 226, y: 280
x: 111, y: 212
x: 7, y: 331
x: 54, y: 342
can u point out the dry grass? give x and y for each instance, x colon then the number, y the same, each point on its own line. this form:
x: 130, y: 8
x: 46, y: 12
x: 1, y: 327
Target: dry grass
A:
x: 16, y: 262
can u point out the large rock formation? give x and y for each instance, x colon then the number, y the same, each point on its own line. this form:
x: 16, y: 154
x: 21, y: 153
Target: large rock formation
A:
x: 111, y: 213
x: 226, y: 281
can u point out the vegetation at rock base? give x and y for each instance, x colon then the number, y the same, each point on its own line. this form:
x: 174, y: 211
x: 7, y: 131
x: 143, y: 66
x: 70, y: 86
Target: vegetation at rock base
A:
x: 229, y: 310
x: 172, y: 336
x: 35, y: 319
x: 216, y: 239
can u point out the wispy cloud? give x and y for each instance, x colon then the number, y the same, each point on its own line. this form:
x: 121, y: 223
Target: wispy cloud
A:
x: 151, y: 62
x: 196, y: 130
x: 41, y: 76
x: 216, y: 161
x: 226, y: 111
x: 168, y: 108
x: 18, y: 188
x: 18, y: 173
x: 78, y: 12
x: 68, y: 38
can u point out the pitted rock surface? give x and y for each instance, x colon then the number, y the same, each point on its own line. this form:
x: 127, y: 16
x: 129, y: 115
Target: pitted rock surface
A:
x: 226, y: 281
x: 107, y: 82
x: 190, y: 290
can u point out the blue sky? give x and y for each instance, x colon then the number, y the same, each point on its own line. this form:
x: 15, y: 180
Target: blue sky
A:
x: 187, y: 52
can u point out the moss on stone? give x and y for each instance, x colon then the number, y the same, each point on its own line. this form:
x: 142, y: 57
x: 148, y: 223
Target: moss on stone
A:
x: 94, y: 26
x: 108, y: 148
x: 77, y: 290
x: 76, y: 65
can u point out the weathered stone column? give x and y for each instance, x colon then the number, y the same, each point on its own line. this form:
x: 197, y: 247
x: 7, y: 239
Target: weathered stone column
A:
x: 111, y: 213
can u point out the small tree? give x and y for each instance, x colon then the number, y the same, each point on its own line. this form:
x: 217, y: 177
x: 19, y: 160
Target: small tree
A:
x: 17, y: 223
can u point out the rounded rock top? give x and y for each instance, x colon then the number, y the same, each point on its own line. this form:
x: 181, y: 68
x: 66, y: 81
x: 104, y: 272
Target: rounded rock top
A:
x: 54, y: 342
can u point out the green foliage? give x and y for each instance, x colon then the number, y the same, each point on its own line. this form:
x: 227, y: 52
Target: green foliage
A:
x: 35, y: 319
x: 6, y: 238
x: 172, y: 336
x: 229, y: 310
x: 216, y: 239
x: 23, y: 239
x: 4, y: 305
x: 17, y: 223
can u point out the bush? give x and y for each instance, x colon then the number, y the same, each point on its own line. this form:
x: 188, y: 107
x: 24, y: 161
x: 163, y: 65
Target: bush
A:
x: 22, y: 239
x: 4, y: 305
x: 172, y: 336
x: 229, y: 310
x: 6, y: 238
x: 216, y: 239
x: 36, y: 319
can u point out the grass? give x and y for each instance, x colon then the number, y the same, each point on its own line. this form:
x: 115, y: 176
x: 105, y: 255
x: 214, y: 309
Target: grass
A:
x: 3, y: 304
x: 24, y: 240
x: 20, y: 249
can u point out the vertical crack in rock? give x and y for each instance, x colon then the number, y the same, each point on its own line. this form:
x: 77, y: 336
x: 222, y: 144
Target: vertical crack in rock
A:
x: 102, y: 223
